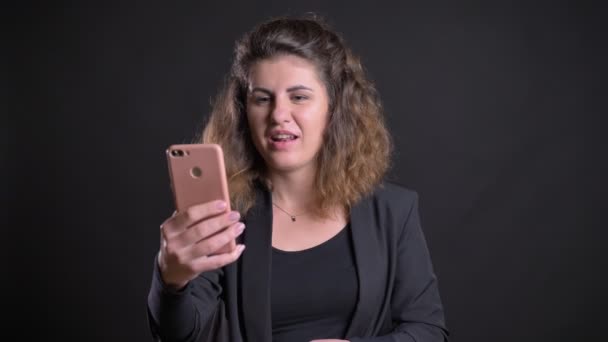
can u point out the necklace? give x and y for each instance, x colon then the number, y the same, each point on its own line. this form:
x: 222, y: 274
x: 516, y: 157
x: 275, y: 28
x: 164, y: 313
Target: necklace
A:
x: 293, y: 217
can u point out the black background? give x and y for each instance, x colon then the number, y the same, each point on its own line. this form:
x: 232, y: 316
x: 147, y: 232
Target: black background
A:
x: 494, y: 109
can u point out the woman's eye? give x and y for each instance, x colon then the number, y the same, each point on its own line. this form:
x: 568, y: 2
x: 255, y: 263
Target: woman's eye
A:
x: 299, y: 98
x: 261, y: 99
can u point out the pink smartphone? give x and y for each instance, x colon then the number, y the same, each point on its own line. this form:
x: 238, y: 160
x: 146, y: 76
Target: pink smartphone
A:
x: 197, y: 175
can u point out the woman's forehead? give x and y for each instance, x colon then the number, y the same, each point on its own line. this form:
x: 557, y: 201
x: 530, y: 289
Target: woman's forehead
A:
x: 282, y: 72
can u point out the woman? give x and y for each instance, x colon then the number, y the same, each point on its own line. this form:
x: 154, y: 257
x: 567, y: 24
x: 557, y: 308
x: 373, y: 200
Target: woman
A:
x: 333, y: 252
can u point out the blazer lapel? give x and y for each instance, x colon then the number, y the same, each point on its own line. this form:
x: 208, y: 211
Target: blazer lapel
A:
x: 362, y: 226
x: 255, y: 270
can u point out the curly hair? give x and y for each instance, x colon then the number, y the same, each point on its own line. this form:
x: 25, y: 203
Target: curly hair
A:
x: 356, y: 149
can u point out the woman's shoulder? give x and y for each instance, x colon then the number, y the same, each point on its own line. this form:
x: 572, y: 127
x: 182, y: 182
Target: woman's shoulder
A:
x: 392, y: 192
x: 390, y: 204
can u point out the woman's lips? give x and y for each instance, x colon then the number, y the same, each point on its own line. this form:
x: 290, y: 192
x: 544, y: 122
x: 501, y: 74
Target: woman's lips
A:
x: 282, y: 144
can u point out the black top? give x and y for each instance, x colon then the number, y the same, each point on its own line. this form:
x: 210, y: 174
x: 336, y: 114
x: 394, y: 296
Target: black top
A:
x: 314, y: 291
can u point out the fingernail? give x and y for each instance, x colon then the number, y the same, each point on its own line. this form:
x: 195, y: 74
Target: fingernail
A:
x: 234, y: 215
x: 240, y: 229
x: 221, y: 205
x: 241, y: 248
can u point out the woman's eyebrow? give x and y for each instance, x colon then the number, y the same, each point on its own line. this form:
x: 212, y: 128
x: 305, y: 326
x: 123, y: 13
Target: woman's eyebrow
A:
x: 263, y: 90
x: 298, y: 87
x: 289, y: 90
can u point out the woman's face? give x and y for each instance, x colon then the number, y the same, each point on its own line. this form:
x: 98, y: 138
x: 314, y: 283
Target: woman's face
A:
x: 287, y: 111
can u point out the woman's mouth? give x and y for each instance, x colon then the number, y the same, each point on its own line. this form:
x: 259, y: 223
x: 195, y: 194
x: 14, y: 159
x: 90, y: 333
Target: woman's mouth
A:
x: 282, y: 141
x: 283, y: 137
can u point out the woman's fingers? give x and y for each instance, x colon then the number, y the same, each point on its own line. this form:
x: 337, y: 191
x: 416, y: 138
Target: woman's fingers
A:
x: 181, y: 221
x: 210, y: 245
x: 203, y: 230
x: 190, y: 239
x: 213, y: 262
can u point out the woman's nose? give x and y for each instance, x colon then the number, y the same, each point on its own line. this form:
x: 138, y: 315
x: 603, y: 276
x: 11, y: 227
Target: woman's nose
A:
x: 281, y: 111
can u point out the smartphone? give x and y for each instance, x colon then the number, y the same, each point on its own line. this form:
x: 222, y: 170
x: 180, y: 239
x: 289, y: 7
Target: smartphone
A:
x: 197, y: 175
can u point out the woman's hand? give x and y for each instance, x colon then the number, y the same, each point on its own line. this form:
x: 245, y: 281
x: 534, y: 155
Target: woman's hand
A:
x: 189, y: 239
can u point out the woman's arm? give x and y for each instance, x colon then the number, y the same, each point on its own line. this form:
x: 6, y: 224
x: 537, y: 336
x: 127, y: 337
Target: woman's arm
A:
x: 181, y: 315
x: 417, y: 310
x: 185, y: 288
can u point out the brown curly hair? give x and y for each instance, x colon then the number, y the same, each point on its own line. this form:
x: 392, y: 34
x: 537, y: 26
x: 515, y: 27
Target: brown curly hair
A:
x: 356, y: 151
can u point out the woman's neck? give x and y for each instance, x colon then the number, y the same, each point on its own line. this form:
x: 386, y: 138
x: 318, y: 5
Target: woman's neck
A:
x: 293, y: 191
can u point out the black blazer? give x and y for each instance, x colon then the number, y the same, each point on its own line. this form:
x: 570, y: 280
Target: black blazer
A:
x: 398, y: 294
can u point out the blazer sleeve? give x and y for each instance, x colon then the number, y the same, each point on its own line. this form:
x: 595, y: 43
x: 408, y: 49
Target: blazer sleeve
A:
x: 416, y: 308
x: 182, y: 315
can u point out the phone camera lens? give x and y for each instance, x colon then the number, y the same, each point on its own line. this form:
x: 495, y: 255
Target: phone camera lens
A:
x: 177, y: 153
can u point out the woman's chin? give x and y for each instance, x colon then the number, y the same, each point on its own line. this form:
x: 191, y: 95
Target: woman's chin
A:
x: 286, y: 165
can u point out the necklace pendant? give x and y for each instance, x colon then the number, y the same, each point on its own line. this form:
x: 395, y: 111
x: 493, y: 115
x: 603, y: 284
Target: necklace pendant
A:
x: 293, y: 219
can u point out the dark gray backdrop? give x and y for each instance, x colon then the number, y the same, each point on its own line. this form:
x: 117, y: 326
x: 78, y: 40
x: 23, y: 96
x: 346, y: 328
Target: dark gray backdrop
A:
x: 491, y: 107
